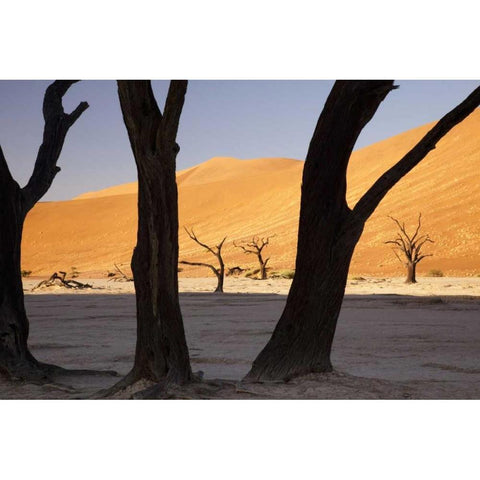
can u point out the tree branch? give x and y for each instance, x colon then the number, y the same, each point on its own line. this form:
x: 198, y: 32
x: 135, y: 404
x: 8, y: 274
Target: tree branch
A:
x: 370, y: 200
x: 57, y: 124
x: 192, y: 235
x: 200, y: 264
x: 141, y: 114
x: 418, y: 227
x: 171, y: 112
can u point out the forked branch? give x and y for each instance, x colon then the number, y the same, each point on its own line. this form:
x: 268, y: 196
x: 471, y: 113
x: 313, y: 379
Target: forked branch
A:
x: 216, y: 251
x: 408, y: 248
x: 57, y: 124
x: 255, y: 247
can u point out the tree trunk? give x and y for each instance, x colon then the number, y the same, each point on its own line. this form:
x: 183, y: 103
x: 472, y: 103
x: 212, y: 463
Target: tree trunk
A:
x: 263, y: 268
x: 302, y: 340
x: 220, y: 277
x: 411, y: 267
x: 15, y: 202
x: 329, y: 230
x: 15, y: 358
x: 161, y: 350
x: 263, y: 272
x: 221, y: 272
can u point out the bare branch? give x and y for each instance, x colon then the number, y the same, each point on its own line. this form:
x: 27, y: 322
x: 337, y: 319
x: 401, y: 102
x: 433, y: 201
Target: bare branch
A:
x: 398, y: 256
x: 418, y: 227
x: 192, y: 235
x: 141, y: 114
x: 219, y: 272
x: 395, y: 242
x: 200, y: 264
x: 370, y: 200
x: 220, y: 245
x: 171, y: 112
x: 423, y: 256
x: 409, y: 246
x: 244, y: 248
x: 256, y: 245
x: 75, y: 115
x: 57, y: 124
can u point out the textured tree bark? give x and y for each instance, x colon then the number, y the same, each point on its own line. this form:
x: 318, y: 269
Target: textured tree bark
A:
x: 15, y: 358
x: 302, y: 340
x: 161, y: 351
x: 16, y: 361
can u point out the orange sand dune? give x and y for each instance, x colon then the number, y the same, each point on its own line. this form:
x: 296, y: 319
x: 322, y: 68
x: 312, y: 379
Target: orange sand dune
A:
x: 242, y: 198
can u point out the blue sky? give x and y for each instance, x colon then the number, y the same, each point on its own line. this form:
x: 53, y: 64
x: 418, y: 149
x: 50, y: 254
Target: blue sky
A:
x: 243, y: 119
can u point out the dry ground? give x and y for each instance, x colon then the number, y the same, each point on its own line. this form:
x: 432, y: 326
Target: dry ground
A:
x: 392, y: 341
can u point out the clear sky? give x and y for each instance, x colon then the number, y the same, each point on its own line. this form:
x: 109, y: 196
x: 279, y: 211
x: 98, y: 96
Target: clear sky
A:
x: 242, y: 119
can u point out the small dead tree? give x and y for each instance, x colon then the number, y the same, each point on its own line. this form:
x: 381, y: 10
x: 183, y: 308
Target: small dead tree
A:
x: 255, y: 247
x: 58, y: 279
x: 217, y: 252
x: 408, y: 249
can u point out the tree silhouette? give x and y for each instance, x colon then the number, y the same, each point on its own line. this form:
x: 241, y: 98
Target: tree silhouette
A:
x: 302, y: 340
x: 161, y: 353
x: 410, y: 248
x: 15, y: 202
x: 217, y: 252
x: 255, y: 247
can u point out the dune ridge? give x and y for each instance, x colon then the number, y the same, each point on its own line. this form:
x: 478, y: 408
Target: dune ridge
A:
x: 242, y: 198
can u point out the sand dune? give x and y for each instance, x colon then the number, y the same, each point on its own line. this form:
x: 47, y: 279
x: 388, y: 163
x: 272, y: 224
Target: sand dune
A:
x: 241, y: 198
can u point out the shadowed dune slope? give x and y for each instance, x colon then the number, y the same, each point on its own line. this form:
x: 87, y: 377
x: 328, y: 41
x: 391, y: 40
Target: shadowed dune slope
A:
x: 241, y: 198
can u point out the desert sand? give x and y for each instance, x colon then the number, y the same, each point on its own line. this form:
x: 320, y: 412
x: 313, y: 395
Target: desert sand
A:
x: 242, y: 198
x: 393, y: 340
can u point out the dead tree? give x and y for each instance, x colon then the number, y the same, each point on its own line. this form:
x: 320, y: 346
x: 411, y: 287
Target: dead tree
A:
x: 57, y: 279
x: 302, y: 340
x: 255, y: 247
x: 161, y: 353
x: 119, y: 275
x: 408, y: 249
x: 217, y: 252
x: 15, y: 358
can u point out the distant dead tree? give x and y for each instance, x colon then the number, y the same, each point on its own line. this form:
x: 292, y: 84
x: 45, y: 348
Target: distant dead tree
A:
x: 119, y: 275
x: 408, y: 249
x: 329, y: 229
x: 217, y: 252
x: 255, y: 247
x: 234, y: 271
x: 57, y: 279
x: 15, y: 202
x: 161, y: 353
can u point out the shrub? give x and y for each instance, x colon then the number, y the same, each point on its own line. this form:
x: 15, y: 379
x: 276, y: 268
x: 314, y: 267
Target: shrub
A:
x: 435, y: 273
x: 289, y: 274
x: 26, y: 273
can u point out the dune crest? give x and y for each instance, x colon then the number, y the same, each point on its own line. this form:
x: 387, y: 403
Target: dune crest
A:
x: 241, y: 198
